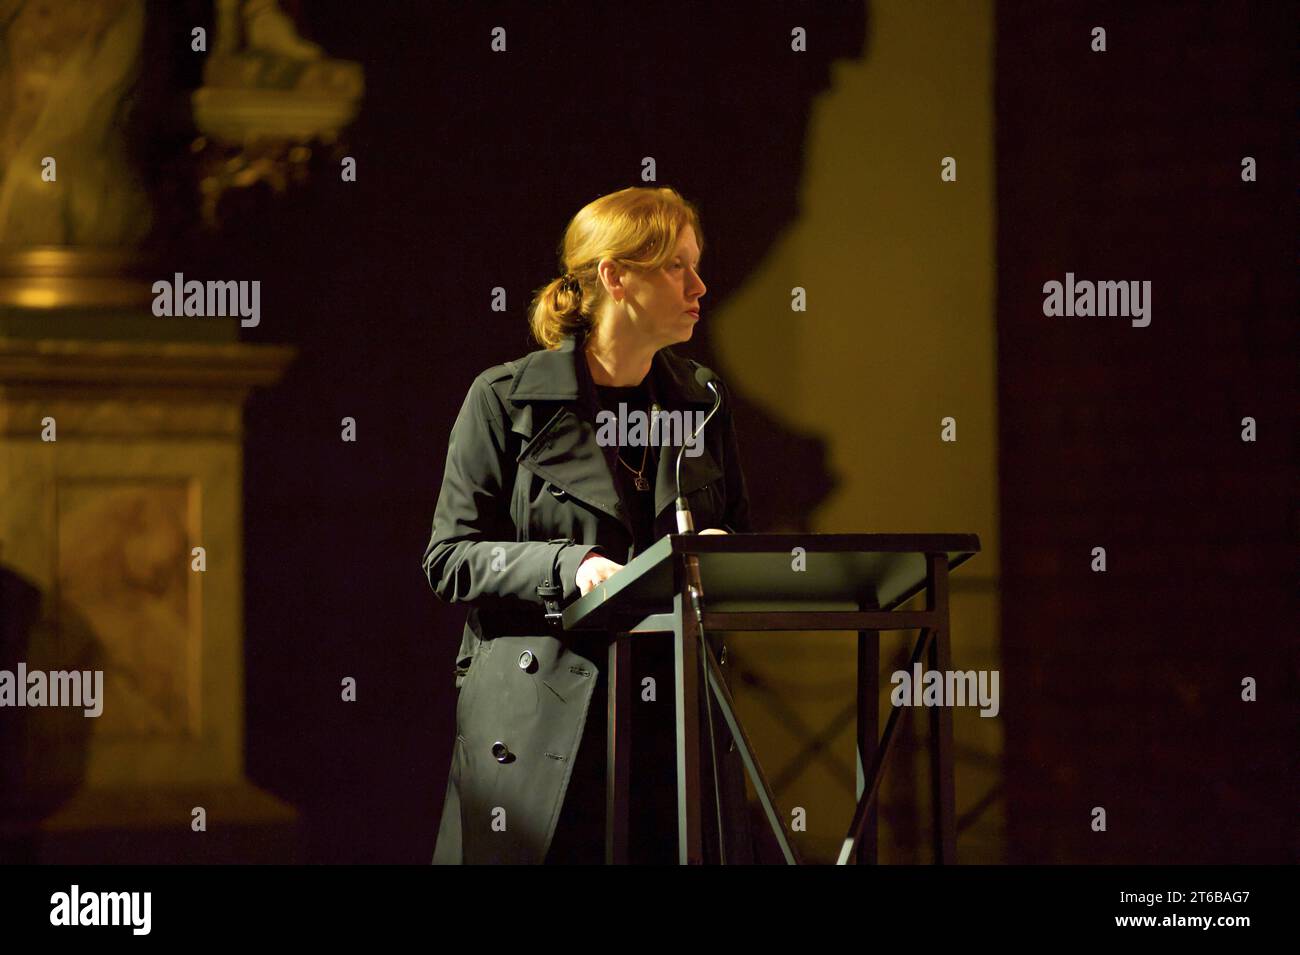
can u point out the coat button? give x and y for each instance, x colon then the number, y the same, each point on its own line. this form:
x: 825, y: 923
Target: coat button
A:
x: 722, y: 659
x: 501, y: 752
x: 526, y: 659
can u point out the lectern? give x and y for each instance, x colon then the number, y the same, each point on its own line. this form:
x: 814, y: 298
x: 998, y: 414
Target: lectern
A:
x: 752, y: 582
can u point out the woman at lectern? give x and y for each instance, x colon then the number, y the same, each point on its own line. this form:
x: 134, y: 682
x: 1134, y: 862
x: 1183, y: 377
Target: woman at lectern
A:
x: 542, y: 499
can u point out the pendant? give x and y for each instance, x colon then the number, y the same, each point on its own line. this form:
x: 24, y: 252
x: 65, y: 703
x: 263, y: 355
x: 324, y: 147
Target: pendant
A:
x: 641, y: 483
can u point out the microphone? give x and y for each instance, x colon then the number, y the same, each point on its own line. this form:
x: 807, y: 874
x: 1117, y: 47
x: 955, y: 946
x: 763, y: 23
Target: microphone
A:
x: 685, y: 520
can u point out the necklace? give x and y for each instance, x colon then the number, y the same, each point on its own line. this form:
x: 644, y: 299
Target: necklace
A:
x: 639, y: 479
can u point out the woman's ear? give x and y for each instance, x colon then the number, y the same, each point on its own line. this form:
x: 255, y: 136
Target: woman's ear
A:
x: 611, y: 276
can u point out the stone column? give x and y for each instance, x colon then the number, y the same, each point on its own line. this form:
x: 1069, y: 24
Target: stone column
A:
x: 118, y: 462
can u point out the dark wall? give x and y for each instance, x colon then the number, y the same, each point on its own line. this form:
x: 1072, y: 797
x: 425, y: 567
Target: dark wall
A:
x: 1124, y: 688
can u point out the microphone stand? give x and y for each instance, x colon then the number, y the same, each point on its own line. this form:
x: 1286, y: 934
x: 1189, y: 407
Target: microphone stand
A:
x: 695, y: 589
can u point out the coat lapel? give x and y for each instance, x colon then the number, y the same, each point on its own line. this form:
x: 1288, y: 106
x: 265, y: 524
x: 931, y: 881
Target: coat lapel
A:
x: 564, y: 449
x: 554, y: 387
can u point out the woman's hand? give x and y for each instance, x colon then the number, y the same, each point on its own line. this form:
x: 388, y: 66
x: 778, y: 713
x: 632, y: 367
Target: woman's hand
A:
x: 595, y: 570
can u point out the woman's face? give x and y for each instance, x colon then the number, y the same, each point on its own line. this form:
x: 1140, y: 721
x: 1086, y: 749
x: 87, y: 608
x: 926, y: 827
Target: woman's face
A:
x: 664, y: 304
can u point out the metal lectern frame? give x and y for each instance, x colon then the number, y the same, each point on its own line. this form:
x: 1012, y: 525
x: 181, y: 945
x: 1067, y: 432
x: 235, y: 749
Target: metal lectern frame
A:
x: 602, y: 609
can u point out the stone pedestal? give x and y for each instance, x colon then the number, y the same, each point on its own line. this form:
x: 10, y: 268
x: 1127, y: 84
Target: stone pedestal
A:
x: 98, y: 571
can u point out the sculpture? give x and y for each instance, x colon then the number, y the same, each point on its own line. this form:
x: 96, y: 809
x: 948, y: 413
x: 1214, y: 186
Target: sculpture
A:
x: 64, y: 93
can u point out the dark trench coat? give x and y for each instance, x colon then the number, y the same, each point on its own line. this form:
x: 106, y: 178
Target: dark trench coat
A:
x: 526, y: 486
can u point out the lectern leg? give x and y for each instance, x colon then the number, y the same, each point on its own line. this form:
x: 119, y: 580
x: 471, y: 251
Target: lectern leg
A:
x: 761, y: 786
x: 617, y: 756
x: 886, y: 749
x: 868, y: 733
x: 686, y: 636
x: 944, y: 797
x: 943, y: 800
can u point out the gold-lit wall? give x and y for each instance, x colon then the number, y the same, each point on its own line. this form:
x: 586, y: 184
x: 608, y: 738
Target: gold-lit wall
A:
x: 899, y: 333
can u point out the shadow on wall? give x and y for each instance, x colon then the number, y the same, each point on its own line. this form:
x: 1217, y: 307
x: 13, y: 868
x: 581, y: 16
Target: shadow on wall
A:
x: 43, y: 750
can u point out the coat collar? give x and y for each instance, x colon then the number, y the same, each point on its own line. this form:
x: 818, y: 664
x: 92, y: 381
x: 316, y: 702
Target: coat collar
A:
x: 553, y: 376
x: 564, y: 450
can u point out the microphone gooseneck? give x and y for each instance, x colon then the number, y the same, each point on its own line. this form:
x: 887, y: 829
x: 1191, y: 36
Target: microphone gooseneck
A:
x: 686, y: 520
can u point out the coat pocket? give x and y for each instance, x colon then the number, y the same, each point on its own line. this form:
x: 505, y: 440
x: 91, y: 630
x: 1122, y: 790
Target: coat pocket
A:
x: 468, y: 650
x: 469, y: 684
